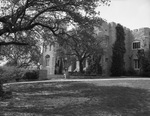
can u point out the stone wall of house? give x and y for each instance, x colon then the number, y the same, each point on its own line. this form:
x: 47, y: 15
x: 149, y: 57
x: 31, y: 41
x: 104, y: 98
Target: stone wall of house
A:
x: 111, y: 41
x: 143, y: 36
x: 49, y: 50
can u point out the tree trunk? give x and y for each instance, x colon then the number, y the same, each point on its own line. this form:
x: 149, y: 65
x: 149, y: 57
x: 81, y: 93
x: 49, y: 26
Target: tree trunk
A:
x: 61, y: 67
x: 1, y: 89
x: 81, y: 66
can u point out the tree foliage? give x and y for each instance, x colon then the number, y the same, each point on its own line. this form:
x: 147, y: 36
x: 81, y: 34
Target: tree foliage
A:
x: 144, y: 59
x: 94, y: 67
x: 117, y: 68
x: 81, y: 43
x: 22, y: 56
x: 20, y: 15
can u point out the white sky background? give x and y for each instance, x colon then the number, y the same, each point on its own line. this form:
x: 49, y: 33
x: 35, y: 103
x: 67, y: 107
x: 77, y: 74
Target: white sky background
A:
x: 132, y: 14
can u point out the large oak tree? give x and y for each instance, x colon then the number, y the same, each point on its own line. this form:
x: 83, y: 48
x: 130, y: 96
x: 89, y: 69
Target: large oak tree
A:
x: 23, y: 15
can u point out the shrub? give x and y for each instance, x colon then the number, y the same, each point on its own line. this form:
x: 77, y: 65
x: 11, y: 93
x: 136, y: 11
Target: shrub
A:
x: 9, y: 73
x: 131, y: 72
x: 93, y: 70
x: 31, y: 75
x: 145, y: 67
x: 94, y: 67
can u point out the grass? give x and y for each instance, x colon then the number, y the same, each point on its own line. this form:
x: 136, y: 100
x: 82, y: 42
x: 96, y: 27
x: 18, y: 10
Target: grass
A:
x: 76, y: 99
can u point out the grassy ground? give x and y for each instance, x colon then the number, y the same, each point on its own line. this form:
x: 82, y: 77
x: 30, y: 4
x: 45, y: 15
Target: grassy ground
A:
x: 93, y: 98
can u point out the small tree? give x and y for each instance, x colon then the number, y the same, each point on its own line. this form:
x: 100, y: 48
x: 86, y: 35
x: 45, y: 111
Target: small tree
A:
x: 94, y: 65
x: 117, y: 67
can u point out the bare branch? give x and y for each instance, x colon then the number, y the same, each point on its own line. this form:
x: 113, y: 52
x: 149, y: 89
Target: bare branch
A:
x: 54, y: 8
x: 46, y: 26
x: 13, y: 43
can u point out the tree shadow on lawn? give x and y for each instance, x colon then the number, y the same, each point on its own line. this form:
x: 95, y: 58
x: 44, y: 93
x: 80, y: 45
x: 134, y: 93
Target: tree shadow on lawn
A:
x: 113, y: 100
x: 100, y: 100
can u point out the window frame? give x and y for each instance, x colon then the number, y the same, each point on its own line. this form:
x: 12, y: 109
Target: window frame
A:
x: 136, y: 47
x: 50, y: 47
x: 47, y: 60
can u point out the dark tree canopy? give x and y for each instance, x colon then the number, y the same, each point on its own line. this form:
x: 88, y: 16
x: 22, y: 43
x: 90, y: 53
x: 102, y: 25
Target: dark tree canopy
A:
x: 21, y: 15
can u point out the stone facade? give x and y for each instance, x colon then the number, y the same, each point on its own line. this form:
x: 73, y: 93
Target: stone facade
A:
x: 49, y: 59
x: 140, y: 43
x: 131, y: 59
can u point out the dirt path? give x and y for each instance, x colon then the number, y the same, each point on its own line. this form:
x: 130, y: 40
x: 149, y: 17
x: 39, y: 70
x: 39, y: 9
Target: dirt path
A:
x: 129, y: 82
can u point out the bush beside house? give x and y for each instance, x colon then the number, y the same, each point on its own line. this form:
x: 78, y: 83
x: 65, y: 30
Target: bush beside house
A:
x: 8, y: 74
x: 145, y: 65
x: 31, y: 75
x: 11, y: 73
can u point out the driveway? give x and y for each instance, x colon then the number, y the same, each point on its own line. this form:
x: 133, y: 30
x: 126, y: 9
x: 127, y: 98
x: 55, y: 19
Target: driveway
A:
x: 128, y: 82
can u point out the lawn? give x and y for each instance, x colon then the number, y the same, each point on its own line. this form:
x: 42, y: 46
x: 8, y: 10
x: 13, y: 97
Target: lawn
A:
x: 86, y: 98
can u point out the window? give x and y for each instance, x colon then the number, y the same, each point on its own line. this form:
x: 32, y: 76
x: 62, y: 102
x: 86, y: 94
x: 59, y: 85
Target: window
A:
x: 49, y: 47
x: 106, y: 59
x: 136, y: 45
x: 47, y: 59
x: 136, y: 64
x: 54, y: 48
x: 45, y: 48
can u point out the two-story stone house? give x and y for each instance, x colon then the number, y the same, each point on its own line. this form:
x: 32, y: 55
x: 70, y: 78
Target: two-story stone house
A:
x: 135, y: 40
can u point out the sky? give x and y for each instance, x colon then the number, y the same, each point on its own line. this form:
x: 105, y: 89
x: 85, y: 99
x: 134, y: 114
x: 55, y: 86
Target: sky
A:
x: 132, y: 14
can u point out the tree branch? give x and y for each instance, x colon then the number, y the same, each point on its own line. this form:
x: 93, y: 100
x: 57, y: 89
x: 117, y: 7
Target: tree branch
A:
x: 54, y: 8
x: 50, y: 28
x: 13, y: 43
